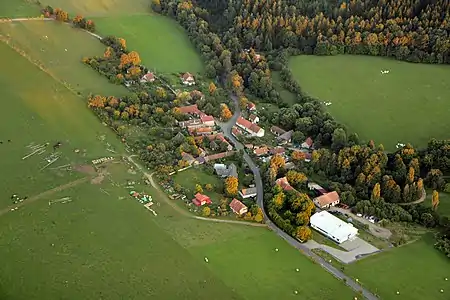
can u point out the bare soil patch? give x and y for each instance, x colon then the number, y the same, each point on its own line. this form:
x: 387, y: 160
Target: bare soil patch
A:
x: 86, y: 169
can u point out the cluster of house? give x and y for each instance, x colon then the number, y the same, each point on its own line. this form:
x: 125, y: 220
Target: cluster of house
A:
x: 236, y: 206
x: 249, y: 127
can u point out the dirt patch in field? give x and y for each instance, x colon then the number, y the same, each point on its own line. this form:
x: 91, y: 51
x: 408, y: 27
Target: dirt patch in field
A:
x: 86, y: 169
x: 98, y: 179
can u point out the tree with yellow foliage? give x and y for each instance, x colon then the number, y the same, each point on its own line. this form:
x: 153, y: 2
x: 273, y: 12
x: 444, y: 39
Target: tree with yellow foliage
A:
x: 206, y: 211
x: 198, y: 188
x: 243, y: 102
x: 303, y: 233
x: 277, y: 161
x: 134, y: 71
x: 208, y: 187
x: 298, y: 156
x: 278, y: 200
x: 295, y: 178
x: 212, y: 88
x: 161, y: 93
x: 376, y: 192
x: 123, y: 43
x: 435, y: 200
x: 231, y: 186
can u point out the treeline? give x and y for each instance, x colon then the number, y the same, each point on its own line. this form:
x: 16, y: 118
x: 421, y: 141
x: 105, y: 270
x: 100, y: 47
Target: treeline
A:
x: 411, y: 30
x: 63, y: 16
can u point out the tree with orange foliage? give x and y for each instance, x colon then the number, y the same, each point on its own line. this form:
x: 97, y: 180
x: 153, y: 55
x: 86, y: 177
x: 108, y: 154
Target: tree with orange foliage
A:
x: 225, y: 113
x: 97, y: 101
x: 212, y: 88
x: 231, y: 186
x: 134, y: 58
x: 124, y: 60
x: 123, y: 43
x: 108, y: 52
x: 298, y: 156
x: 236, y: 83
x: 61, y: 15
x: 113, y: 102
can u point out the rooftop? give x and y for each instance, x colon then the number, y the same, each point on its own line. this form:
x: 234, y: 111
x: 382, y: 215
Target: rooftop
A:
x: 326, y: 199
x: 332, y: 225
x: 237, y: 205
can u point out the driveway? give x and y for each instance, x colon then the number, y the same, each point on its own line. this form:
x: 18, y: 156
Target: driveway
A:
x: 226, y: 128
x: 356, y: 249
x: 376, y: 230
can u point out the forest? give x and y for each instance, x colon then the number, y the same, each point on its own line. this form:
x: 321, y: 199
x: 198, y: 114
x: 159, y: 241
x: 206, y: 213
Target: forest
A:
x: 242, y: 41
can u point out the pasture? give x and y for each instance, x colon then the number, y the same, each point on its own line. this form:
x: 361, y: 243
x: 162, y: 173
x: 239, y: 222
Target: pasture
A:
x: 417, y: 271
x: 18, y: 9
x: 408, y: 105
x: 47, y: 42
x: 162, y: 44
x: 40, y: 110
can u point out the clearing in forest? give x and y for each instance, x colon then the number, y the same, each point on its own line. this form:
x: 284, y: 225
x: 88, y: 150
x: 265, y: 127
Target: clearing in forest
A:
x: 408, y: 105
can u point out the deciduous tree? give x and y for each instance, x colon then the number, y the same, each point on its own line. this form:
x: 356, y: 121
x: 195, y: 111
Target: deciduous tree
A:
x: 198, y: 188
x: 303, y: 233
x: 231, y: 186
x: 435, y: 200
x: 206, y: 211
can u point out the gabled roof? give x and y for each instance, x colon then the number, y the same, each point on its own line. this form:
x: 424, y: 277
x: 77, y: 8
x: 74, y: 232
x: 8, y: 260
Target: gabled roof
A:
x: 251, y: 105
x: 284, y: 184
x: 187, y: 76
x: 327, y: 199
x: 206, y: 118
x: 249, y: 191
x: 277, y: 150
x: 252, y: 117
x: 199, y: 198
x: 237, y: 205
x: 218, y: 155
x: 261, y: 151
x: 248, y: 125
x: 190, y: 109
x: 309, y: 142
x: 277, y: 130
x: 286, y: 136
x: 149, y: 76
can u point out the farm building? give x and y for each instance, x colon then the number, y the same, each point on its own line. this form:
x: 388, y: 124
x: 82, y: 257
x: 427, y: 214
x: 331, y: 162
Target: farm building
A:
x: 285, y: 137
x: 248, y: 193
x: 277, y: 130
x: 201, y: 199
x: 249, y: 127
x: 238, y: 207
x: 333, y: 227
x: 224, y: 171
x: 317, y: 188
x: 327, y: 200
x: 149, y: 77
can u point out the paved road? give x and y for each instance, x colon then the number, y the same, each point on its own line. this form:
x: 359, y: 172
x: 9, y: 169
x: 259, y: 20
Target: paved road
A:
x: 226, y: 128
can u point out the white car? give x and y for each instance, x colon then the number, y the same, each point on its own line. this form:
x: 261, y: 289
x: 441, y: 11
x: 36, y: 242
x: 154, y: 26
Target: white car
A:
x: 359, y: 215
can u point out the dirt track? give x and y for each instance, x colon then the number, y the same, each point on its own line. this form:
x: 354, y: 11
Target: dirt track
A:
x: 45, y: 194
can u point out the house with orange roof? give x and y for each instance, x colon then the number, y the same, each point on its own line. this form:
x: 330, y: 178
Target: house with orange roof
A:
x: 149, y: 77
x: 238, y: 207
x: 249, y: 127
x: 248, y: 193
x: 284, y: 184
x: 327, y: 200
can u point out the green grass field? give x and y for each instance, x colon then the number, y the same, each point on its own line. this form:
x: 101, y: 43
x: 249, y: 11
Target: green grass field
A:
x: 46, y: 42
x: 444, y: 202
x: 162, y: 44
x: 18, y: 9
x: 410, y: 104
x: 190, y: 177
x: 39, y: 110
x: 417, y: 271
x: 90, y: 8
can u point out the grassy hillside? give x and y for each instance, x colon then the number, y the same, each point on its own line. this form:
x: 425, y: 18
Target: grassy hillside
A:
x: 60, y: 49
x: 409, y: 104
x: 162, y: 44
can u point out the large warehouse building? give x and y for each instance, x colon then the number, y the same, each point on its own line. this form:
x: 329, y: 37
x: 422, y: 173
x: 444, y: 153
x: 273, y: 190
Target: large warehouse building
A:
x: 334, y: 228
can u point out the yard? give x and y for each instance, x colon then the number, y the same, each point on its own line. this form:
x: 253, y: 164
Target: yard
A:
x: 389, y: 108
x: 416, y: 271
x: 161, y: 43
x: 91, y: 8
x: 197, y: 175
x: 18, y: 9
x: 47, y: 42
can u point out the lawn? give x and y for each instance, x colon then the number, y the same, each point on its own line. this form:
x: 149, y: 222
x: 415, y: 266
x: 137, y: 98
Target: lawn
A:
x: 18, y: 9
x: 410, y: 104
x: 444, y: 202
x: 39, y: 110
x: 161, y: 43
x: 416, y: 270
x: 90, y: 8
x: 190, y: 177
x: 46, y: 42
x: 285, y: 95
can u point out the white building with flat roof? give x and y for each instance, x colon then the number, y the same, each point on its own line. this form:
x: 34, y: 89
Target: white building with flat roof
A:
x: 333, y: 227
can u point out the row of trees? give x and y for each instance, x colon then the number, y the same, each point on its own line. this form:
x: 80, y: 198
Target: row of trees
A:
x: 63, y: 16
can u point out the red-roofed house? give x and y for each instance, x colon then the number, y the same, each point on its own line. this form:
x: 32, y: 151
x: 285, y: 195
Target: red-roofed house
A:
x: 218, y: 156
x: 235, y: 132
x: 238, y: 207
x: 251, y: 106
x: 284, y: 184
x: 149, y: 77
x: 190, y: 110
x: 277, y: 150
x: 249, y: 127
x: 188, y: 79
x: 261, y: 151
x: 207, y: 120
x: 307, y: 143
x: 201, y: 199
